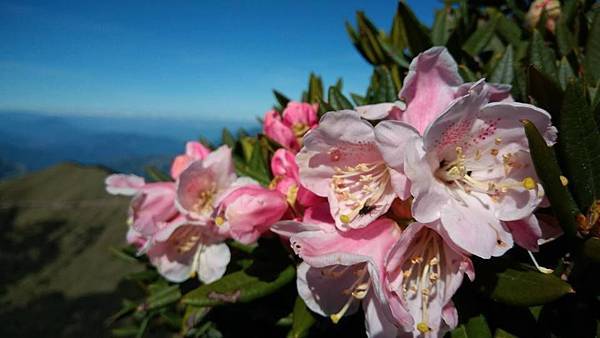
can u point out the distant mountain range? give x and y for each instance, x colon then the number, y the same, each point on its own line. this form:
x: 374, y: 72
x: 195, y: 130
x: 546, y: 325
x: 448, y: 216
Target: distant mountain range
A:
x: 32, y: 141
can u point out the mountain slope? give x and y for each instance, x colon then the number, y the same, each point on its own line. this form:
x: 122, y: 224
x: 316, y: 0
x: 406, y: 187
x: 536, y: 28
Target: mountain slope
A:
x: 58, y: 278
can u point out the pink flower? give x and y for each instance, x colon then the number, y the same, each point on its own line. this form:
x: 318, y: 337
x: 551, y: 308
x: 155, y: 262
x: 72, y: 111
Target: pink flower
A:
x: 340, y: 160
x: 193, y: 151
x: 248, y: 210
x: 431, y: 84
x: 287, y: 180
x: 343, y: 269
x: 184, y: 250
x: 289, y: 128
x: 152, y: 204
x: 423, y: 271
x: 472, y: 170
x: 202, y: 183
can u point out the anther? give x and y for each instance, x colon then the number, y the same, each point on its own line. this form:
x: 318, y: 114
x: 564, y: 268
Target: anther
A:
x: 529, y: 183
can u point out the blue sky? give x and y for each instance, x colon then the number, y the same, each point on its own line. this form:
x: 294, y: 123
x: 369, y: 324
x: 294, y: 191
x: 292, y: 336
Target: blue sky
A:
x: 197, y: 59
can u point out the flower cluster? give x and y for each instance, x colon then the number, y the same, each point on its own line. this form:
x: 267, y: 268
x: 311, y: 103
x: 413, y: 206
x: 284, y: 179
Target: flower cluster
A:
x: 384, y: 204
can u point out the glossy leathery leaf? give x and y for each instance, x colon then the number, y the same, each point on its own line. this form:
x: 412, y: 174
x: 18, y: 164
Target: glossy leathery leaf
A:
x: 579, y: 146
x: 549, y: 173
x: 504, y: 70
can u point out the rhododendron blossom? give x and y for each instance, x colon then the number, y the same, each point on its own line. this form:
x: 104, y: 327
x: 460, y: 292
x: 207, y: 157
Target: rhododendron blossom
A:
x: 185, y: 250
x: 423, y: 270
x: 472, y: 169
x: 343, y: 269
x: 194, y: 151
x: 340, y: 160
x: 431, y: 84
x: 248, y: 210
x: 288, y: 128
x: 152, y: 206
x: 202, y: 183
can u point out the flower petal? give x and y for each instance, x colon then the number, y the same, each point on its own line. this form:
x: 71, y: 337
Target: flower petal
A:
x: 120, y: 184
x: 213, y: 262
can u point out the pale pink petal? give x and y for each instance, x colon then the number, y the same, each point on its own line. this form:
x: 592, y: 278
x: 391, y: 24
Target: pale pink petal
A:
x: 526, y: 232
x: 322, y: 289
x: 474, y: 228
x: 380, y: 111
x: 196, y: 150
x: 120, y: 184
x: 283, y: 163
x: 377, y: 322
x: 220, y: 163
x: 213, y: 262
x: 392, y: 139
x: 429, y: 87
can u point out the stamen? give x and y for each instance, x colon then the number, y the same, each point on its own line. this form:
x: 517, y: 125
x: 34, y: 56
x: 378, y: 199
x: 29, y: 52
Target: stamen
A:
x: 529, y: 183
x: 219, y: 220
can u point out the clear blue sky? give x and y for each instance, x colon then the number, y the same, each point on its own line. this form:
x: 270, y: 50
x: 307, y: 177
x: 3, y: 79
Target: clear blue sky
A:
x: 207, y: 59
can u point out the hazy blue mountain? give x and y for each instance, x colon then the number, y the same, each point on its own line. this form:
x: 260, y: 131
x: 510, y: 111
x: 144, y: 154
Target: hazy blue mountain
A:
x: 32, y: 141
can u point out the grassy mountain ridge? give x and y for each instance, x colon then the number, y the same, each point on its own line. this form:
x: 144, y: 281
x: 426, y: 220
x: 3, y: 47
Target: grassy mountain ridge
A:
x: 58, y: 278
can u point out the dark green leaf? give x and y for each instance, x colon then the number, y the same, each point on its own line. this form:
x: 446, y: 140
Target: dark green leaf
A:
x: 467, y: 74
x: 359, y: 100
x: 124, y: 254
x: 592, y: 51
x: 565, y: 73
x: 193, y: 316
x: 339, y: 84
x: 258, y: 165
x: 564, y: 37
x: 368, y: 33
x: 549, y: 173
x: 503, y: 72
x: 360, y: 45
x: 157, y: 175
x: 337, y: 100
x: 398, y: 34
x: 579, y: 146
x: 517, y: 287
x: 508, y: 30
x: 129, y: 331
x: 545, y: 91
x: 227, y: 138
x: 541, y: 56
x: 416, y: 34
x: 315, y: 88
x: 303, y: 320
x: 394, y: 53
x: 281, y: 99
x: 162, y: 297
x: 503, y: 334
x: 475, y: 327
x: 480, y: 38
x: 238, y: 287
x: 591, y: 249
x: 442, y: 26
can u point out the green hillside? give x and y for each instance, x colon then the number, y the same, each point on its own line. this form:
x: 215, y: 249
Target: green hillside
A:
x: 58, y: 277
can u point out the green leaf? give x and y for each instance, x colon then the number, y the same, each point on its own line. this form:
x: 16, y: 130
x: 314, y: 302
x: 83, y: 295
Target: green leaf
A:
x: 518, y: 287
x: 247, y: 144
x: 503, y: 72
x: 339, y: 84
x: 382, y: 86
x: 591, y: 249
x: 227, y: 138
x: 162, y: 297
x: 480, y: 38
x: 541, y: 56
x: 592, y: 51
x: 416, y: 34
x: 337, y: 100
x: 359, y: 100
x: 579, y: 146
x: 564, y: 37
x: 508, y: 30
x: 281, y: 99
x: 258, y: 165
x: 565, y: 72
x: 157, y: 175
x: 545, y: 91
x: 238, y: 287
x: 475, y: 327
x: 192, y: 316
x: 443, y: 25
x: 315, y: 88
x: 394, y: 53
x: 303, y: 320
x: 549, y: 173
x: 503, y: 334
x: 129, y: 331
x: 368, y: 33
x: 467, y: 74
x: 360, y: 45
